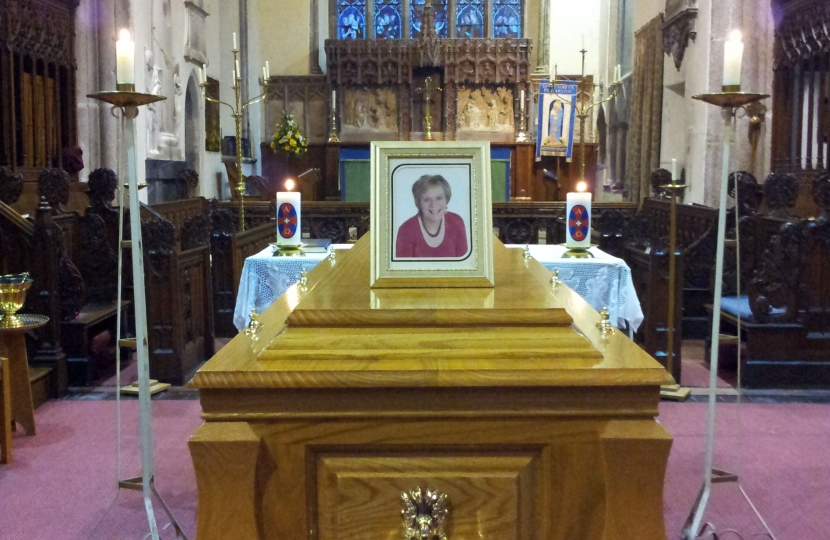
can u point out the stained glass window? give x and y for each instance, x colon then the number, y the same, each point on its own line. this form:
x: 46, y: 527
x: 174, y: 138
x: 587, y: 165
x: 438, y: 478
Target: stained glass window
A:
x: 507, y: 18
x: 417, y: 10
x: 388, y: 20
x: 469, y: 18
x: 351, y: 19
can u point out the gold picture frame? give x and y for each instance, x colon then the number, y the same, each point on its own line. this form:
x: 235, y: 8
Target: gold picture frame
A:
x: 431, y: 214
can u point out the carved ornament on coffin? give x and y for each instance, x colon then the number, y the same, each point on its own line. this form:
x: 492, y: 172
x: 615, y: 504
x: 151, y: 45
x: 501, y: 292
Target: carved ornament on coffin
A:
x: 679, y: 28
x: 485, y: 109
x: 370, y: 109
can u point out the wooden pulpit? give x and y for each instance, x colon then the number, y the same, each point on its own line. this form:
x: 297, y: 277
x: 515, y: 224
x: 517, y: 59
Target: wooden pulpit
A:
x: 507, y: 404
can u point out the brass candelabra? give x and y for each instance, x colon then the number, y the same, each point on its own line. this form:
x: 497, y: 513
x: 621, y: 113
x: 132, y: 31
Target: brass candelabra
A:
x: 237, y: 114
x: 583, y: 110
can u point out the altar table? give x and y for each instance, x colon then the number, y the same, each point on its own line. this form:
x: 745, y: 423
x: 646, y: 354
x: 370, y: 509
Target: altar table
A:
x: 603, y: 281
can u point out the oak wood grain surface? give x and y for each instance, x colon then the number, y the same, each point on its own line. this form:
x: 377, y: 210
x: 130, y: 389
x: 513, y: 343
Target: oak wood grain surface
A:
x: 545, y: 351
x: 508, y: 400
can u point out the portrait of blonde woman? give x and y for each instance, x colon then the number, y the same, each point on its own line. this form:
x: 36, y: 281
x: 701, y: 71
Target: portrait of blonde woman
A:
x: 433, y: 232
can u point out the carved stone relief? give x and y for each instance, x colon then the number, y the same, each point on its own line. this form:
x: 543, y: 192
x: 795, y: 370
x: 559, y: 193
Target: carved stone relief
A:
x: 195, y: 49
x: 371, y: 109
x: 485, y: 109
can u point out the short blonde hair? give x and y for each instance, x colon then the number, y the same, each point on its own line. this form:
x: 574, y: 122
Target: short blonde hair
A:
x: 426, y: 182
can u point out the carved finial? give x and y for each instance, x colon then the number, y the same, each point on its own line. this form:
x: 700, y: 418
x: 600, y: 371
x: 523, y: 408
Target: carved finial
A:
x: 11, y: 186
x: 101, y: 187
x: 54, y: 185
x: 44, y: 205
x: 254, y: 326
x: 821, y: 193
x: 604, y: 323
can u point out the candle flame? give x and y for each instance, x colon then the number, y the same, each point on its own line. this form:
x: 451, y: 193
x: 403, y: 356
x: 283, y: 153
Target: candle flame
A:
x: 124, y: 35
x: 735, y: 36
x: 289, y: 184
x: 581, y: 186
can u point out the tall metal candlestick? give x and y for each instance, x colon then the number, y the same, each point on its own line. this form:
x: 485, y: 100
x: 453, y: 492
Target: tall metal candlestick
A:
x: 128, y: 103
x: 729, y: 102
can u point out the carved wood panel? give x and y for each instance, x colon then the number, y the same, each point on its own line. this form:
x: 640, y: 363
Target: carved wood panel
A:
x: 499, y: 64
x: 37, y: 84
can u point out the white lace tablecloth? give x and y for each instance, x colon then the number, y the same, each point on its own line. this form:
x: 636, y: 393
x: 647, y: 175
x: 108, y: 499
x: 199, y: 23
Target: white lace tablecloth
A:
x: 265, y: 278
x: 603, y: 281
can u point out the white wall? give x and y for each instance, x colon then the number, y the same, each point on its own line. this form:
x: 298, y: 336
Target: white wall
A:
x: 572, y: 25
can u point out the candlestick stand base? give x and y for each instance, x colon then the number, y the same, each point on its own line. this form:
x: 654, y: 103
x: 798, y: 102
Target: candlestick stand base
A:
x: 674, y: 392
x: 288, y: 251
x: 578, y: 253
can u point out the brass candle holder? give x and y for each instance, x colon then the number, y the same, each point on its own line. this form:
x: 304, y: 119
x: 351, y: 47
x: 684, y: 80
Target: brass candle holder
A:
x: 237, y: 113
x: 333, y: 138
x: 522, y: 136
x: 427, y: 114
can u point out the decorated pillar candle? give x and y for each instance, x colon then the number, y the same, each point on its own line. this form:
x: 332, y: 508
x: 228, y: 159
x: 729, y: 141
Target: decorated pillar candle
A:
x: 578, y: 213
x: 289, y: 230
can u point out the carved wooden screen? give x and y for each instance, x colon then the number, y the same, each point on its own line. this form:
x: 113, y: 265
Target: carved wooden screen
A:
x: 37, y: 74
x: 801, y: 101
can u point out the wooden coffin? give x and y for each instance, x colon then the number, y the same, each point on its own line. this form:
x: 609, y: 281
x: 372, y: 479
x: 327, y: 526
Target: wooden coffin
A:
x: 509, y: 401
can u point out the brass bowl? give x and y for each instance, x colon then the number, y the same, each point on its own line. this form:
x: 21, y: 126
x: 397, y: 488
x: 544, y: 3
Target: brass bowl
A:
x: 13, y: 289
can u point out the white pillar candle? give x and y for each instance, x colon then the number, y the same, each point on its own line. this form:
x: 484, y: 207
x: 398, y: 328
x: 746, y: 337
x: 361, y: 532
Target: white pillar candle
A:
x: 234, y: 41
x: 267, y: 69
x: 522, y: 96
x: 578, y: 214
x: 204, y: 74
x: 333, y: 99
x: 238, y: 72
x: 125, y: 58
x: 264, y: 74
x: 673, y: 170
x: 289, y: 227
x: 733, y: 51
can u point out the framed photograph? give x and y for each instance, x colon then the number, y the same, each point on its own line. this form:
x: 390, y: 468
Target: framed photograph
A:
x: 431, y: 214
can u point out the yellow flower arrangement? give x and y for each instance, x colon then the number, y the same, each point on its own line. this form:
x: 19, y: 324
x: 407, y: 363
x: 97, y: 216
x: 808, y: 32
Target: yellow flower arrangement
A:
x: 288, y: 139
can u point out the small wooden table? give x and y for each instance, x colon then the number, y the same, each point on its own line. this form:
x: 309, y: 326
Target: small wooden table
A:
x: 13, y: 347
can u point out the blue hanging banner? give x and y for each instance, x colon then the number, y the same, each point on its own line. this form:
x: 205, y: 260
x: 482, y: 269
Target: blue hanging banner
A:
x: 557, y: 113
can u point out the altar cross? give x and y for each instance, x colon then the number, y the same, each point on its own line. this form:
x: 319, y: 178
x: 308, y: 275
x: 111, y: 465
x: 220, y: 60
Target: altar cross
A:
x: 427, y: 116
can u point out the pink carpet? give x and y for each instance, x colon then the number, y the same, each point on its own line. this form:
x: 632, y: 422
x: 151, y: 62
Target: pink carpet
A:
x: 62, y: 482
x: 695, y: 372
